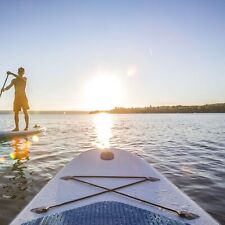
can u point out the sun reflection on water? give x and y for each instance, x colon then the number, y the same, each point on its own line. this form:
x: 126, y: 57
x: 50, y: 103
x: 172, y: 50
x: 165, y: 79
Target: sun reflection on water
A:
x: 20, y: 149
x: 103, y: 127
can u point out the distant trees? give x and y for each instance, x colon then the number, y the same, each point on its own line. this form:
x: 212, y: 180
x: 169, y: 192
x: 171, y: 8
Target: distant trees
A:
x: 208, y: 108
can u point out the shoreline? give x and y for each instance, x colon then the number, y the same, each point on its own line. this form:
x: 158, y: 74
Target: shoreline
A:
x: 207, y: 108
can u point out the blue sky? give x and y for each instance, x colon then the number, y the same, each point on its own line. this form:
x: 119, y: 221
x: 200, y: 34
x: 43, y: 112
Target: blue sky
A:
x: 174, y: 49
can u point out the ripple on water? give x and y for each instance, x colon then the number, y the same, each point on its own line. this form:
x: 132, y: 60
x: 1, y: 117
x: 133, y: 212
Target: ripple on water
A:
x: 188, y: 148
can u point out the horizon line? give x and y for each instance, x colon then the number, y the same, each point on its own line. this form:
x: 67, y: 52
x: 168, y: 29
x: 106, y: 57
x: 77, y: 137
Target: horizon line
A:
x: 116, y: 107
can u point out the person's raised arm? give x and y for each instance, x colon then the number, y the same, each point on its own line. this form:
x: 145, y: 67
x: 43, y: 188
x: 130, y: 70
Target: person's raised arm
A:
x: 15, y: 75
x: 9, y: 86
x: 10, y: 73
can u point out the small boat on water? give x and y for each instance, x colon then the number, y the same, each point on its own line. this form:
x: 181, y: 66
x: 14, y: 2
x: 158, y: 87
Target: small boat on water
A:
x: 111, y: 187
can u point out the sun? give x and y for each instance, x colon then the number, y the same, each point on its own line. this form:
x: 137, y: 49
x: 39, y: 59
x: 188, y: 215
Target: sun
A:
x: 103, y: 92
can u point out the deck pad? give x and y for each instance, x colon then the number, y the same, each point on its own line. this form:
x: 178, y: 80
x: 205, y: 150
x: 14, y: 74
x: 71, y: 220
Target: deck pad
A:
x: 105, y: 213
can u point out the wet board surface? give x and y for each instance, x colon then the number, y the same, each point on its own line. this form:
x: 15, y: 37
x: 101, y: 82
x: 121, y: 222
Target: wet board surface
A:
x: 162, y: 192
x: 7, y: 135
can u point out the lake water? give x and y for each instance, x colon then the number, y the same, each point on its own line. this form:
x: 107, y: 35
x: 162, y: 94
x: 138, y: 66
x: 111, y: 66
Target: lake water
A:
x: 189, y: 149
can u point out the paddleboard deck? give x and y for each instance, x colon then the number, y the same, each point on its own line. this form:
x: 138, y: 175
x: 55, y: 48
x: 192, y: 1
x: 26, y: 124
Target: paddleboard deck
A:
x: 7, y: 135
x: 110, y: 207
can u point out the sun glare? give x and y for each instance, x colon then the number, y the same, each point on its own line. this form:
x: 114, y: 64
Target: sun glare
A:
x: 103, y: 92
x: 103, y: 127
x: 131, y: 71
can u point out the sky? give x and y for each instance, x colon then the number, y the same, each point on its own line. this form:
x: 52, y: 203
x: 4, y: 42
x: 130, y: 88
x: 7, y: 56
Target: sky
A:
x: 89, y: 55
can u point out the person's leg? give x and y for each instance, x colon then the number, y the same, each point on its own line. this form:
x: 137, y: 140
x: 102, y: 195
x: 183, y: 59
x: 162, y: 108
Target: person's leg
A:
x: 16, y: 118
x: 26, y: 117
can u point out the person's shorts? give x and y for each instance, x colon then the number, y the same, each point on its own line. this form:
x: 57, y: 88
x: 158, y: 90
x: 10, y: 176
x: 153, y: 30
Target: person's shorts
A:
x: 20, y: 103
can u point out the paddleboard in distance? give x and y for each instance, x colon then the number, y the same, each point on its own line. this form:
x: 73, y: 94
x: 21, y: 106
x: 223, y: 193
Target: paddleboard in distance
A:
x: 111, y: 186
x: 7, y: 135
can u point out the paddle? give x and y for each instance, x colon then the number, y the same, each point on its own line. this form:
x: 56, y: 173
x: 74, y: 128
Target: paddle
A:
x: 4, y: 85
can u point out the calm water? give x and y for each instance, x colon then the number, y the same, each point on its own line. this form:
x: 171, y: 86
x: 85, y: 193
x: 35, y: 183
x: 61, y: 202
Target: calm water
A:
x: 187, y: 148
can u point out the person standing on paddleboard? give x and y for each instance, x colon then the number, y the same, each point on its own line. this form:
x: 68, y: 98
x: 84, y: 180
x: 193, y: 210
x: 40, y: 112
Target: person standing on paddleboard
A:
x: 20, y: 100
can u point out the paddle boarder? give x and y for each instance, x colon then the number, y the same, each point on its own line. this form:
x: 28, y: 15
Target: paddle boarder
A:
x: 20, y: 100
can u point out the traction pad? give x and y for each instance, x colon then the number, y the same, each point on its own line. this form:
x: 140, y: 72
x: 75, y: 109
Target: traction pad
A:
x: 105, y: 213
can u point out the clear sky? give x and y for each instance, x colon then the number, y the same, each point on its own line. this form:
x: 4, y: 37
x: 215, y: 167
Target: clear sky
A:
x: 100, y: 54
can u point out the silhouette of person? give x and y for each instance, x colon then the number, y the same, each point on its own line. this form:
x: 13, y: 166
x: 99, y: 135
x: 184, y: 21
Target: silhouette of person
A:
x: 20, y: 100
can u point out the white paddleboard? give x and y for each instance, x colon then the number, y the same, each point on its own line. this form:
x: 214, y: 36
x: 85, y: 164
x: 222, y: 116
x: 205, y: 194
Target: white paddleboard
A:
x: 7, y: 135
x: 157, y: 190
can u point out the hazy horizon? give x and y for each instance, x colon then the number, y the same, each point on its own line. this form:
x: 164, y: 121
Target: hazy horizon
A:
x: 97, y: 55
x: 87, y: 111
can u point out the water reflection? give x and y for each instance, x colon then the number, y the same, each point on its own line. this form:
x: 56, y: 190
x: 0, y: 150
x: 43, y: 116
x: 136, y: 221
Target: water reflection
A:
x: 15, y: 179
x: 20, y: 149
x: 19, y: 180
x: 103, y: 127
x: 2, y: 159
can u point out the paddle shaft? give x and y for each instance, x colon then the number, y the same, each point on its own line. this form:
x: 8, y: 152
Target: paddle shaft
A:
x: 4, y: 85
